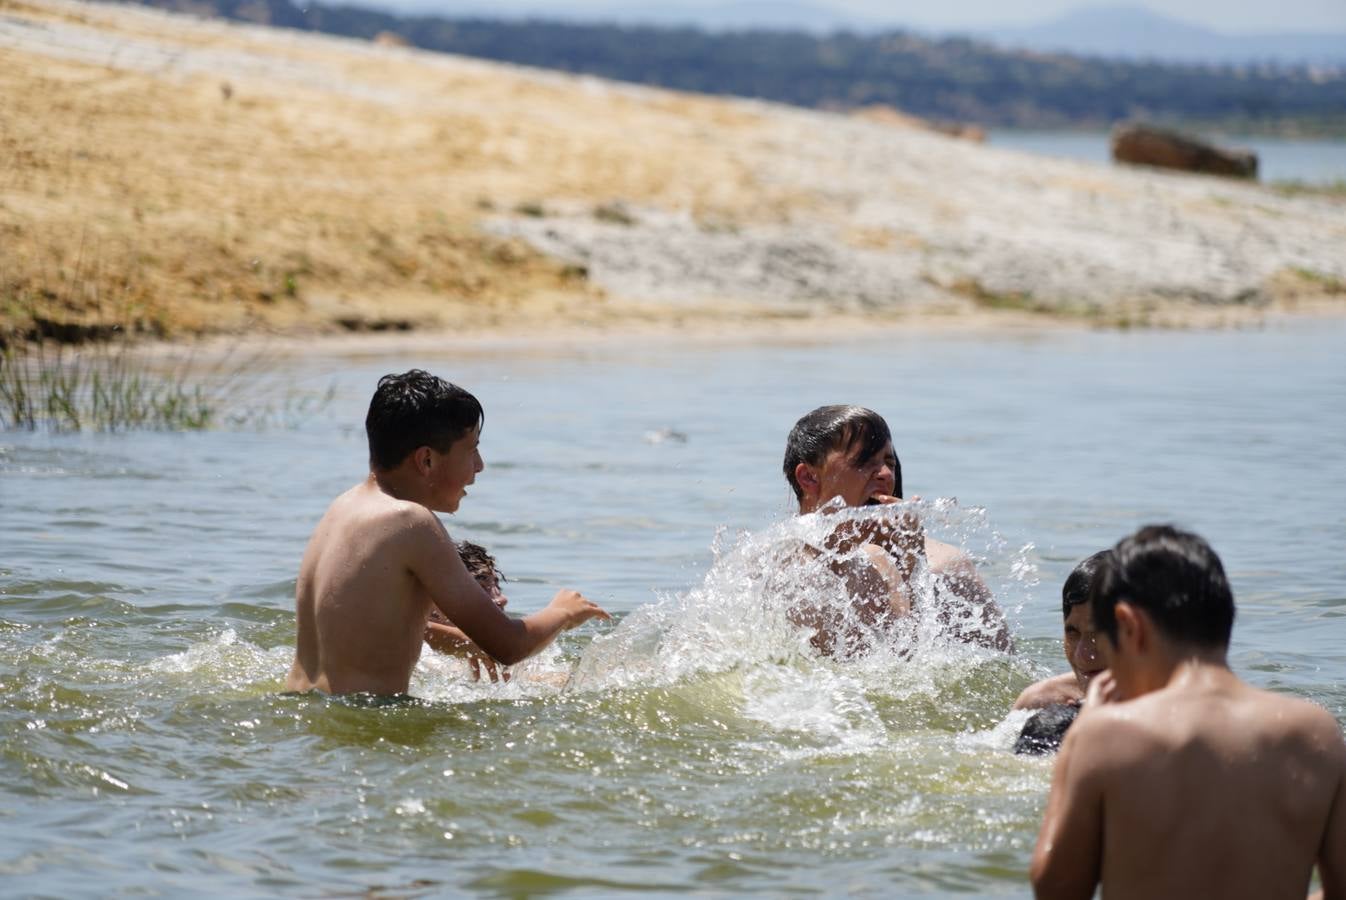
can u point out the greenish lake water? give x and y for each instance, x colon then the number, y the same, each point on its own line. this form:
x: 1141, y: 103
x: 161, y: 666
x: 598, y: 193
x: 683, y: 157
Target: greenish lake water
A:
x: 146, y: 625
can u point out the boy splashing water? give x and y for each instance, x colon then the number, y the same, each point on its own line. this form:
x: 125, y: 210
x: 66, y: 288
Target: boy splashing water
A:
x: 380, y: 559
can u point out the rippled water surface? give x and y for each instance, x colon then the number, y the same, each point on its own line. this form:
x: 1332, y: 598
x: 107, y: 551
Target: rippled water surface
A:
x: 146, y: 619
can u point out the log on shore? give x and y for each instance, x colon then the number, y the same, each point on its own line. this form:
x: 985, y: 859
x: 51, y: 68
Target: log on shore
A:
x: 1166, y: 149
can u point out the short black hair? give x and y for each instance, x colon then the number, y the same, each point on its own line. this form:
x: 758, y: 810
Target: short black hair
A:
x: 1046, y: 729
x: 1076, y: 589
x: 861, y: 432
x: 480, y: 564
x: 417, y: 409
x: 1174, y: 576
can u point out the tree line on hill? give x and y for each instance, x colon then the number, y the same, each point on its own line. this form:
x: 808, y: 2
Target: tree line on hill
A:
x: 950, y: 79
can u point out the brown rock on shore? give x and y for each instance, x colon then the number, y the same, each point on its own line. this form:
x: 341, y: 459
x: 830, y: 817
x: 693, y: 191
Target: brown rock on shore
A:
x: 1167, y: 149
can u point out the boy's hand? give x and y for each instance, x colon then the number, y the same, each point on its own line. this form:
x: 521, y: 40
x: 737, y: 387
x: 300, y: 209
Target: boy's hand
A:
x: 480, y: 661
x: 1102, y: 689
x: 577, y: 608
x: 901, y: 536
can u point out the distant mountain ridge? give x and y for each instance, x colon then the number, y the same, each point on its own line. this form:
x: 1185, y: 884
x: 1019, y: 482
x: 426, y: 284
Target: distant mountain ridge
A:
x: 1115, y: 32
x: 1130, y: 32
x: 951, y: 79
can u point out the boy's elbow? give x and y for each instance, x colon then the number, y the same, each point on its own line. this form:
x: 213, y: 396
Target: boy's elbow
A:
x: 1049, y: 884
x: 510, y: 657
x: 510, y: 649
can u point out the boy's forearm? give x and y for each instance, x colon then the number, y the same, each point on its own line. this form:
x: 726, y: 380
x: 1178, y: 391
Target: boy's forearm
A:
x: 526, y: 636
x: 448, y: 639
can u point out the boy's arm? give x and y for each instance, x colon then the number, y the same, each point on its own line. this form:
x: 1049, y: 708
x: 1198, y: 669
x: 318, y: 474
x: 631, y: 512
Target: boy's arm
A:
x: 1063, y: 688
x: 450, y: 640
x: 433, y: 560
x: 1068, y: 858
x: 1332, y: 853
x: 960, y: 576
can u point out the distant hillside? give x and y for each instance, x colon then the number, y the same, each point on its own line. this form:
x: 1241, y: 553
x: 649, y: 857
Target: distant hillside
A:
x: 1126, y: 32
x: 174, y: 175
x: 776, y: 14
x: 950, y: 79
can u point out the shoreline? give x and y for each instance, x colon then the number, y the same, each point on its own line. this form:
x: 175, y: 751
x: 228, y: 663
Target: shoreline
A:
x: 706, y: 332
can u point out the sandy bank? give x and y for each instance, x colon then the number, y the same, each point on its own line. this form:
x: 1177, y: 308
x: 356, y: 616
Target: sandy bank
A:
x: 197, y: 176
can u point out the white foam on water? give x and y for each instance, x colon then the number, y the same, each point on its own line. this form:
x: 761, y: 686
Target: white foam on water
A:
x: 445, y: 678
x: 226, y: 659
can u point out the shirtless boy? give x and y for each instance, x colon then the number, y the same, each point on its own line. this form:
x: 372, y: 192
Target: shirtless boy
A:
x: 844, y: 455
x: 380, y: 559
x: 1058, y: 698
x: 1178, y: 779
x: 1080, y: 643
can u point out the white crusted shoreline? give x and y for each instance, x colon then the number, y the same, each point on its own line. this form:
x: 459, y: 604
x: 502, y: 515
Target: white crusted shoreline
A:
x: 835, y: 215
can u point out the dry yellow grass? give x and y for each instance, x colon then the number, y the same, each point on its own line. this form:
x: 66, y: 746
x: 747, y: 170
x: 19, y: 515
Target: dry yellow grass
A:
x: 186, y: 201
x: 184, y: 175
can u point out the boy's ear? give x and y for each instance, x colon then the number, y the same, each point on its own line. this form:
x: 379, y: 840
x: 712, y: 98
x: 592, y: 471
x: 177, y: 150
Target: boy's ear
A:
x: 807, y: 478
x: 1133, y: 627
x: 424, y: 460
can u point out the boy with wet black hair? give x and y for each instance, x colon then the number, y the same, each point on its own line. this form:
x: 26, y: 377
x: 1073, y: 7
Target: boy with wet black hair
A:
x: 380, y: 559
x: 1178, y: 779
x: 1079, y: 642
x: 844, y: 456
x: 861, y: 432
x: 1058, y: 698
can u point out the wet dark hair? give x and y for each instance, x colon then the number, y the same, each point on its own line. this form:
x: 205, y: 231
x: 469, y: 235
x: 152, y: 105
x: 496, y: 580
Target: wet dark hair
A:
x: 860, y: 432
x: 480, y: 564
x: 1174, y: 576
x: 417, y: 409
x: 1076, y: 589
x: 1046, y: 729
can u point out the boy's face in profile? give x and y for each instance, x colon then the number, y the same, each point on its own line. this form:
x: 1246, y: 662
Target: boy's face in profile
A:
x: 856, y: 480
x: 455, y: 470
x: 1081, y: 644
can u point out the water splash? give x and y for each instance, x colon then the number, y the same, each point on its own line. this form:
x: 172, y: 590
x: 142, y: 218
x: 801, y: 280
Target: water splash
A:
x: 740, y: 629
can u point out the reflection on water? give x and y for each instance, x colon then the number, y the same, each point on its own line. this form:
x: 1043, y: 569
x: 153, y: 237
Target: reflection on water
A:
x: 700, y: 745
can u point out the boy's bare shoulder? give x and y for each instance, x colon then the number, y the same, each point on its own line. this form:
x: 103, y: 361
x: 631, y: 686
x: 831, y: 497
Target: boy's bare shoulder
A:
x: 1116, y: 736
x: 1303, y: 719
x: 946, y: 558
x: 374, y: 507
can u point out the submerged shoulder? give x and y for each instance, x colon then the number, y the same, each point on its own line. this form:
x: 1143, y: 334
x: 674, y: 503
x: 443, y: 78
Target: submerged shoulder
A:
x: 948, y: 559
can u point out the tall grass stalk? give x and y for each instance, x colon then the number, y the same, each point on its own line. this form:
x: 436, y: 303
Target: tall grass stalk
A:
x: 100, y: 387
x: 117, y: 386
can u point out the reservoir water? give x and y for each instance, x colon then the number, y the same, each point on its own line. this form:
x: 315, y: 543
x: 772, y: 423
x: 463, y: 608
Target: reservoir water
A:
x: 146, y: 618
x: 1316, y: 161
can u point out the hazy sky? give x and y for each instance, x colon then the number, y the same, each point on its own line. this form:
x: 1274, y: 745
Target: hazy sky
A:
x: 950, y: 15
x: 1223, y: 15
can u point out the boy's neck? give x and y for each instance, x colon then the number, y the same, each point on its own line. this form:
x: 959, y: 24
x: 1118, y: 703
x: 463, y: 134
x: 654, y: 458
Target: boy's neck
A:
x: 1179, y: 666
x: 396, y: 484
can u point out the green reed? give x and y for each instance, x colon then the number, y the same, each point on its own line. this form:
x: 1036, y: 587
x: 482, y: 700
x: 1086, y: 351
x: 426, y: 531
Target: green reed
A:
x: 116, y: 385
x: 100, y: 387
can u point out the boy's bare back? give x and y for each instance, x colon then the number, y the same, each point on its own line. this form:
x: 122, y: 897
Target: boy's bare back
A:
x: 360, y: 609
x: 1206, y: 788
